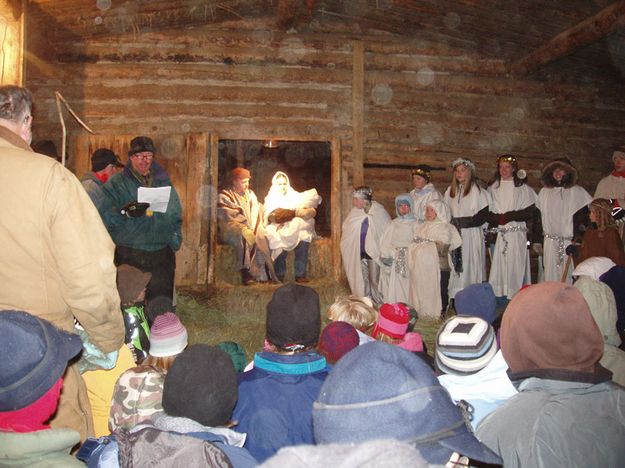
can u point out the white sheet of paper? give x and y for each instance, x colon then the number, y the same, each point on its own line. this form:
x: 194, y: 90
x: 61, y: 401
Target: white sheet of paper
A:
x: 157, y: 197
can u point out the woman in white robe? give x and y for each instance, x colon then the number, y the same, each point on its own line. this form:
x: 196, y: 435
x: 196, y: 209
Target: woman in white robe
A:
x: 433, y: 240
x: 360, y: 244
x: 562, y: 206
x: 513, y: 203
x: 294, y: 229
x: 394, y: 282
x: 469, y: 213
x: 423, y: 191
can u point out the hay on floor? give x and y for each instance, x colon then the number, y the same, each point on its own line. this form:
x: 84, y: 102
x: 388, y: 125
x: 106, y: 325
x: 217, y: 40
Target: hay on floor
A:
x: 237, y: 313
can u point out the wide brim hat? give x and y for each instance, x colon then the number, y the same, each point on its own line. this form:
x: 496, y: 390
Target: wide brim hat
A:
x: 382, y: 391
x: 35, y: 353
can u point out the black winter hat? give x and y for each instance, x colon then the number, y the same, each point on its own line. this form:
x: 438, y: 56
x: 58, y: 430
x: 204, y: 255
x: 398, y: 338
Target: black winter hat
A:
x: 102, y: 157
x: 35, y: 355
x: 201, y: 385
x: 293, y: 316
x: 140, y: 144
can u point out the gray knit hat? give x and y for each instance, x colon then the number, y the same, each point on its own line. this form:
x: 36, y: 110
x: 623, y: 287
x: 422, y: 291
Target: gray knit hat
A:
x: 380, y: 391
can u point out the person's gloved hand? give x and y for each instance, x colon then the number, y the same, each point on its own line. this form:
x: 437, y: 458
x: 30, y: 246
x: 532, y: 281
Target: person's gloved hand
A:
x: 571, y: 250
x: 388, y: 261
x: 305, y: 213
x: 134, y: 209
x: 249, y: 236
x: 537, y: 248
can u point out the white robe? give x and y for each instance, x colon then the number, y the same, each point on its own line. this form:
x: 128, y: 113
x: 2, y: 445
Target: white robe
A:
x: 557, y: 206
x: 286, y: 236
x: 424, y: 268
x: 510, y: 270
x: 394, y: 280
x: 420, y: 199
x: 350, y: 242
x: 473, y: 250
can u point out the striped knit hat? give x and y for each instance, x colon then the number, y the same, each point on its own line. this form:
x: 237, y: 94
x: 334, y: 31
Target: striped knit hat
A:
x: 168, y: 336
x: 464, y: 345
x: 392, y: 321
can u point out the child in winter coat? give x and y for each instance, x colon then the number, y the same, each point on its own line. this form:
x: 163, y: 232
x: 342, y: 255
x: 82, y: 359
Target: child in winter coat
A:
x: 392, y: 328
x: 131, y: 285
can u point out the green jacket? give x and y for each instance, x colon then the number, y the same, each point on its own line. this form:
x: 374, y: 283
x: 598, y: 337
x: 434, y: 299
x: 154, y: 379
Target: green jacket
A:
x: 148, y: 233
x: 39, y: 449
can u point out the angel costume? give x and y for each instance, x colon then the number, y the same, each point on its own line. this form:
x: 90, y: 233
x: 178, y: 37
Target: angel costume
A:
x: 510, y: 266
x: 293, y: 227
x: 360, y: 248
x: 433, y: 240
x: 420, y: 199
x: 558, y: 203
x: 467, y: 209
x: 394, y: 282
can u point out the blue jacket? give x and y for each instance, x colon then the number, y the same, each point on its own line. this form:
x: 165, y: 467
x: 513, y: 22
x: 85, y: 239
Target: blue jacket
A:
x: 148, y: 233
x: 275, y: 401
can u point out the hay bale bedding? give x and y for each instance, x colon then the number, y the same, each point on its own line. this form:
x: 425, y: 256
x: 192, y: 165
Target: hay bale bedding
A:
x: 319, y: 262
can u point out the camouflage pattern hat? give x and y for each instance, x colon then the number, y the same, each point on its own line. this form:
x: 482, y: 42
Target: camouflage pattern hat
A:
x: 137, y: 397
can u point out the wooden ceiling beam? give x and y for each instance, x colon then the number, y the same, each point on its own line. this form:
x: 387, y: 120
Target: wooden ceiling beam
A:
x: 588, y: 31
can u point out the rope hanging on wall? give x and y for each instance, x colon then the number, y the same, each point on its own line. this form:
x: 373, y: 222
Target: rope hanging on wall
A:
x: 59, y: 98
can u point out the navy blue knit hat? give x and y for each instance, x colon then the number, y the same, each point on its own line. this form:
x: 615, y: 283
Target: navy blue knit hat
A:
x: 477, y: 300
x: 380, y: 391
x: 34, y: 356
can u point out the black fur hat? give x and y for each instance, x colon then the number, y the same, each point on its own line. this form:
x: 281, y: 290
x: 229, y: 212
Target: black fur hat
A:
x: 568, y: 181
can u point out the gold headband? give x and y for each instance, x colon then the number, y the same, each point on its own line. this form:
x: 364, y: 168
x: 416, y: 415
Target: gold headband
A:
x: 509, y: 158
x: 422, y: 173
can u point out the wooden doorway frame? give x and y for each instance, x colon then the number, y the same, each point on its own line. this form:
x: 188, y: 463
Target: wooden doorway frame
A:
x: 336, y: 214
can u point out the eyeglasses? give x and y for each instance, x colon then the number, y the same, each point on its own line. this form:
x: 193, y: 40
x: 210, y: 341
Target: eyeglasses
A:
x: 143, y: 157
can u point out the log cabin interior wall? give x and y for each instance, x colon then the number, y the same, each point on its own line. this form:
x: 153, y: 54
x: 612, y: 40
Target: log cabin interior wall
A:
x: 384, y: 100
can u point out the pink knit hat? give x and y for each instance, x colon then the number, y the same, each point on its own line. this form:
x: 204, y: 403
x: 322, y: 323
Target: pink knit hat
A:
x: 392, y: 321
x: 168, y: 336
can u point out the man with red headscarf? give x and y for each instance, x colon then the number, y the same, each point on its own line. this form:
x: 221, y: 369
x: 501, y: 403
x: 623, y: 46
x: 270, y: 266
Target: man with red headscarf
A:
x: 241, y: 225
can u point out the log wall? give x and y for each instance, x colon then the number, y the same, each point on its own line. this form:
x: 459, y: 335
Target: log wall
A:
x: 396, y: 102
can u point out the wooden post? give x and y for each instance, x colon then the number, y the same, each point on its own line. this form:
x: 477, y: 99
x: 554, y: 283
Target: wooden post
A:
x: 358, y: 85
x: 213, y: 187
x: 336, y: 216
x: 582, y: 34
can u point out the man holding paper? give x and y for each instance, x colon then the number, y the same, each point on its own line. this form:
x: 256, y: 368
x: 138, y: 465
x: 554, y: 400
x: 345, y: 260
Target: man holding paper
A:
x: 144, y: 217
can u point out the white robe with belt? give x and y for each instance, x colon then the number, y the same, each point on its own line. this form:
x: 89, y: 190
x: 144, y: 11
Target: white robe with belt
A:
x: 424, y: 267
x: 350, y: 242
x: 557, y: 206
x: 473, y: 250
x: 510, y: 269
x: 395, y: 283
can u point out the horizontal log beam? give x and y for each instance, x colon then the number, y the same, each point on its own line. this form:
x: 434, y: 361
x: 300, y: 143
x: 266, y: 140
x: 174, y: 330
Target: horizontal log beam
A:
x: 580, y: 35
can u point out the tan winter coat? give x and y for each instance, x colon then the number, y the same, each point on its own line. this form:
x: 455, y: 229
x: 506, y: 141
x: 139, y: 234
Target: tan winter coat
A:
x: 56, y: 260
